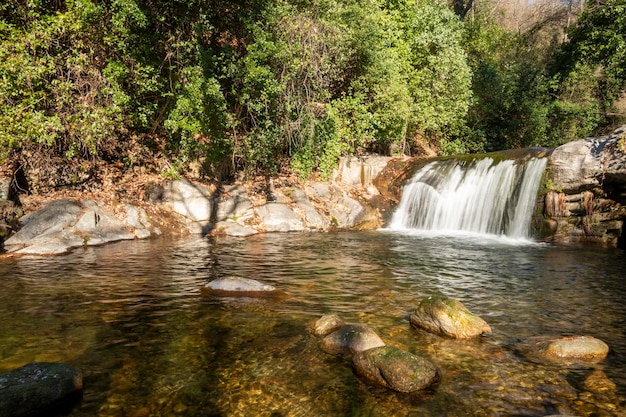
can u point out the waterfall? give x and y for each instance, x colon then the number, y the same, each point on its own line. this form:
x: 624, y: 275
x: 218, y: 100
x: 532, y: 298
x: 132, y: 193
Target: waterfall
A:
x: 481, y: 196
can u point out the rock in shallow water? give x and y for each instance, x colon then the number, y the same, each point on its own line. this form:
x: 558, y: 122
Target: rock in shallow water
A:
x: 394, y: 368
x: 564, y: 349
x: 448, y: 317
x: 327, y: 324
x: 241, y: 287
x: 38, y: 387
x: 351, y: 338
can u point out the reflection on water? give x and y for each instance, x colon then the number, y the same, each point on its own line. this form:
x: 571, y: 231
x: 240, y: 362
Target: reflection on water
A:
x: 132, y: 317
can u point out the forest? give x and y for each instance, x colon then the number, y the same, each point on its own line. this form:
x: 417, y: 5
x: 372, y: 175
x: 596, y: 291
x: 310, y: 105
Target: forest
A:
x: 265, y: 86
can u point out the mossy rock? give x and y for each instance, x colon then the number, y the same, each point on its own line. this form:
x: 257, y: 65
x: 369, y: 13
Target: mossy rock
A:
x: 393, y: 368
x: 448, y: 317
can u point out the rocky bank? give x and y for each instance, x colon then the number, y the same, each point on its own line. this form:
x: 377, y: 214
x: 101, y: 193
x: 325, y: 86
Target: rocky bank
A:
x: 183, y: 206
x: 583, y: 199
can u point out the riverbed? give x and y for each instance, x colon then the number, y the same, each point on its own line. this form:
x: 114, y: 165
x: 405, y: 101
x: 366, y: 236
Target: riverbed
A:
x: 132, y: 317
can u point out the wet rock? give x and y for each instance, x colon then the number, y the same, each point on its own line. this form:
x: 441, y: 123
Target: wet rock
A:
x: 448, y: 317
x: 241, y: 287
x: 327, y: 324
x: 232, y: 228
x: 585, y: 349
x: 37, y: 388
x: 393, y: 368
x: 350, y: 339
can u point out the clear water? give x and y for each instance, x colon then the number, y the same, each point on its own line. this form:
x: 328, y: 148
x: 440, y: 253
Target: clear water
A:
x: 132, y: 317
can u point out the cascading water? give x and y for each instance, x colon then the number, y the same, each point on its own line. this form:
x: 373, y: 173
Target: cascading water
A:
x: 481, y: 196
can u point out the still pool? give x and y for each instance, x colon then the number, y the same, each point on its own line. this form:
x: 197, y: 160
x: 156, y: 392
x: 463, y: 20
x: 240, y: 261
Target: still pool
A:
x: 132, y: 317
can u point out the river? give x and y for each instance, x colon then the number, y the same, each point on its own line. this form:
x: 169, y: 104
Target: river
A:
x: 132, y: 317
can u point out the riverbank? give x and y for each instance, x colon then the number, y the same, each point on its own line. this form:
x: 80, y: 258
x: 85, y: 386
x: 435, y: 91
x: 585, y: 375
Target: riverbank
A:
x: 130, y: 205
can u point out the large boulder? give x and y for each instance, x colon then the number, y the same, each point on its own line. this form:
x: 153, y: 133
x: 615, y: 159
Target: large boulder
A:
x: 37, y: 388
x: 351, y: 339
x: 572, y: 349
x: 65, y: 224
x: 448, y: 317
x: 585, y: 198
x: 393, y: 368
x: 191, y: 200
x: 279, y: 217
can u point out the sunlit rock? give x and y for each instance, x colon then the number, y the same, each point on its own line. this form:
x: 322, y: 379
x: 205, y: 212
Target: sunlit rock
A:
x: 278, y: 217
x: 393, y: 368
x: 585, y: 197
x: 448, y: 317
x: 188, y: 199
x: 327, y: 324
x: 350, y: 339
x: 240, y: 287
x: 37, y: 388
x: 62, y: 225
x: 585, y: 349
x: 232, y: 228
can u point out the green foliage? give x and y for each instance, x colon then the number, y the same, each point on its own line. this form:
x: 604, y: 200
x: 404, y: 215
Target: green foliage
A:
x: 598, y: 43
x: 199, y: 120
x: 259, y: 85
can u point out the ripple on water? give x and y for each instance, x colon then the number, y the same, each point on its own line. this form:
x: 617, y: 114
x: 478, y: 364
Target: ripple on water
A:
x: 132, y: 317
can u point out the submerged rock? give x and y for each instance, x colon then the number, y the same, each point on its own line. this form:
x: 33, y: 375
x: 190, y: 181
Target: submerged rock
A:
x: 394, y: 368
x: 327, y: 324
x: 584, y: 349
x: 36, y: 388
x: 240, y: 287
x: 351, y: 339
x: 448, y: 317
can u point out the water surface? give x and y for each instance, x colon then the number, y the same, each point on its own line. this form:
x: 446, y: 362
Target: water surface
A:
x: 132, y: 317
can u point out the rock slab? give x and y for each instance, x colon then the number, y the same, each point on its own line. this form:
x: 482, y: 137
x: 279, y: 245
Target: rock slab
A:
x: 583, y: 349
x: 37, y: 388
x: 240, y: 287
x: 393, y: 368
x: 448, y: 317
x: 62, y: 225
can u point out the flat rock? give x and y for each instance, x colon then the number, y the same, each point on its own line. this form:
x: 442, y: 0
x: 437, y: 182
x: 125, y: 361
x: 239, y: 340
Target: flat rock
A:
x: 53, y: 217
x: 393, y: 368
x: 448, y: 317
x: 573, y: 349
x: 240, y: 287
x: 350, y: 339
x: 37, y: 388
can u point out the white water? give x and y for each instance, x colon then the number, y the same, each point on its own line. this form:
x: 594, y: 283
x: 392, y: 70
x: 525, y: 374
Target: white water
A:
x: 453, y: 197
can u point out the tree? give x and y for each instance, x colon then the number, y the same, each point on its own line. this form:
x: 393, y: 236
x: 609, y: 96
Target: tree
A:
x: 598, y: 39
